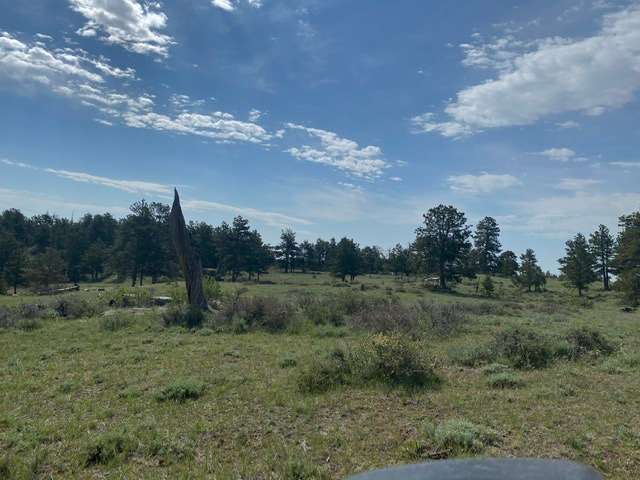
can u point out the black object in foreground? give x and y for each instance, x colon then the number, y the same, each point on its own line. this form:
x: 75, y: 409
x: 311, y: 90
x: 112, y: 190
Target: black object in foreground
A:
x: 487, y: 469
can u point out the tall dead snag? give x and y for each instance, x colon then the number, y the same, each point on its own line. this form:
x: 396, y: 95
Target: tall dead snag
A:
x: 188, y: 257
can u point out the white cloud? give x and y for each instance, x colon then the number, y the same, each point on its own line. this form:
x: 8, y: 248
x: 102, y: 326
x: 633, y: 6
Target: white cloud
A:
x: 426, y: 123
x: 395, y: 179
x: 131, y: 186
x: 577, y: 184
x: 6, y: 161
x: 568, y: 124
x: 230, y: 5
x: 561, y: 154
x: 31, y: 62
x: 131, y: 24
x: 269, y: 218
x: 255, y: 115
x: 483, y: 183
x: 341, y: 153
x: 103, y: 122
x: 219, y: 126
x: 75, y: 75
x: 559, y: 75
x: 625, y: 164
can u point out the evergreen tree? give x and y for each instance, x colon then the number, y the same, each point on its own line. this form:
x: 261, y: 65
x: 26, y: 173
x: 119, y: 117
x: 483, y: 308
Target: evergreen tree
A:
x: 307, y: 256
x: 46, y: 269
x: 443, y: 241
x: 347, y: 260
x: 601, y: 244
x: 578, y: 264
x: 626, y: 261
x: 288, y: 250
x: 234, y: 244
x: 508, y: 263
x: 530, y: 274
x: 487, y: 244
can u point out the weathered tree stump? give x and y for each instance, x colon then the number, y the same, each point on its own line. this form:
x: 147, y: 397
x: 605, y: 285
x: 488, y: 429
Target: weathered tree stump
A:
x: 187, y: 256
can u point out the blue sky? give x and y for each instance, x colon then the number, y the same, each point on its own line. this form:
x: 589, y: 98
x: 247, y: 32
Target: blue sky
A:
x: 330, y: 117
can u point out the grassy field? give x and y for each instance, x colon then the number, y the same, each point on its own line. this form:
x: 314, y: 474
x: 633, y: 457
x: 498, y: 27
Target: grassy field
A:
x: 122, y: 396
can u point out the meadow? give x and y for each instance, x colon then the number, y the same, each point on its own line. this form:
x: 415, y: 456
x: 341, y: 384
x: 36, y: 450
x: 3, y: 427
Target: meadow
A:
x: 282, y: 389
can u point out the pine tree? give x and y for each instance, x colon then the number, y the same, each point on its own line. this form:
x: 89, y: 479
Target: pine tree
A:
x: 443, y: 241
x: 601, y: 244
x: 530, y: 274
x: 347, y: 261
x: 578, y: 264
x: 508, y: 263
x: 487, y: 244
x: 626, y: 261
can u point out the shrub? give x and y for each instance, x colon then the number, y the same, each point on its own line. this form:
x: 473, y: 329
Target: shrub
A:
x: 258, y: 312
x: 472, y: 355
x: 107, y: 448
x: 622, y: 363
x: 113, y: 323
x: 288, y: 362
x: 504, y: 380
x: 585, y: 340
x: 75, y: 307
x: 443, y: 319
x: 388, y: 316
x: 299, y: 469
x: 212, y: 289
x: 456, y: 437
x: 395, y: 361
x: 181, y: 391
x: 326, y: 373
x: 132, y: 297
x: 322, y: 312
x: 185, y: 316
x: 524, y: 349
x: 28, y: 324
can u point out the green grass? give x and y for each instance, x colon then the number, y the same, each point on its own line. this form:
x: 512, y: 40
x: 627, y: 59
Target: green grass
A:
x: 79, y: 398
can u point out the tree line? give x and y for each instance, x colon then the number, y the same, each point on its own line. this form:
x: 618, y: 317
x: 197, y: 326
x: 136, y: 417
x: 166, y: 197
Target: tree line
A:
x: 44, y: 250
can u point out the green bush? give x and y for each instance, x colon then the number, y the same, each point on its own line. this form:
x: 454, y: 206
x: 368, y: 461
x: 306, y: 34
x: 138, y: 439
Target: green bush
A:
x: 74, y: 307
x: 459, y: 437
x: 443, y: 318
x: 326, y: 373
x: 395, y: 361
x: 28, y: 324
x: 504, y: 380
x: 264, y: 313
x: 107, y: 448
x: 131, y: 297
x: 323, y: 312
x: 299, y: 469
x: 472, y: 355
x: 389, y: 360
x: 524, y: 349
x: 113, y: 323
x: 588, y: 341
x: 181, y: 391
x: 181, y: 315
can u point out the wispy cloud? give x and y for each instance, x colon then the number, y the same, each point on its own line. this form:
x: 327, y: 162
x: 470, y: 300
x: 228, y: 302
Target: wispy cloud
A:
x: 341, y: 153
x: 577, y: 184
x: 560, y: 154
x: 131, y: 186
x: 269, y: 218
x: 483, y: 183
x: 625, y: 164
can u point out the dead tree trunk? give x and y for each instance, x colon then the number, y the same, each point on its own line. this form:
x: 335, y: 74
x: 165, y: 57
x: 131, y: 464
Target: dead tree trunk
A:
x: 188, y: 257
